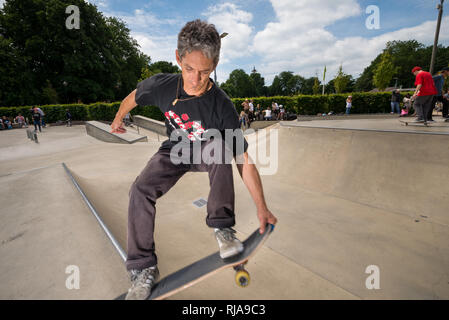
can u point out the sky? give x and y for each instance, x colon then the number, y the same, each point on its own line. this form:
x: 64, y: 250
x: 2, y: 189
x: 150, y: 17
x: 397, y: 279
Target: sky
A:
x: 272, y: 36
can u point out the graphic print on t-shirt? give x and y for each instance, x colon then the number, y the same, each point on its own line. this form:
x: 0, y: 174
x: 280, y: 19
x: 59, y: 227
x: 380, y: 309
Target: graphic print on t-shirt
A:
x: 192, y: 129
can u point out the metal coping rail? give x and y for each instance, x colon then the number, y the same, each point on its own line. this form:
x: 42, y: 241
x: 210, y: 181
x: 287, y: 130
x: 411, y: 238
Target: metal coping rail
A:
x: 94, y: 212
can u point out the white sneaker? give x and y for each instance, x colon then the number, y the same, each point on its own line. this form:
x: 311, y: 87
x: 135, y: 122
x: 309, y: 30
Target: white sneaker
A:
x: 228, y: 243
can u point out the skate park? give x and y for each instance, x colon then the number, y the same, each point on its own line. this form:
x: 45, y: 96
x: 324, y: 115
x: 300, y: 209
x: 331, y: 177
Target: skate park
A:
x: 348, y: 194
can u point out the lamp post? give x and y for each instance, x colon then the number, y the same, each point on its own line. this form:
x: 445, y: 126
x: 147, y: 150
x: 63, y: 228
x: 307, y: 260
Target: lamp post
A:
x: 437, y: 33
x: 224, y: 34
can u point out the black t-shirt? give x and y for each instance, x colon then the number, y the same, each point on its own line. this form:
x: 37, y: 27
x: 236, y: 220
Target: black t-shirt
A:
x: 192, y: 118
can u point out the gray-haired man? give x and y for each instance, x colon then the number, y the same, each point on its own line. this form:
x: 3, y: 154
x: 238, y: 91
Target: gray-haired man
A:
x: 193, y: 106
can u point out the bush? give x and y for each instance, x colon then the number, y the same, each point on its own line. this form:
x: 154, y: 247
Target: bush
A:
x: 302, y: 104
x: 99, y: 111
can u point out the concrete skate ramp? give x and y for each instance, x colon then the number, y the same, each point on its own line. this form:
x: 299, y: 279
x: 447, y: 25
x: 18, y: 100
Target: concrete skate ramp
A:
x: 349, y: 199
x: 47, y: 230
x: 345, y: 200
x: 102, y: 131
x: 401, y: 172
x: 150, y: 124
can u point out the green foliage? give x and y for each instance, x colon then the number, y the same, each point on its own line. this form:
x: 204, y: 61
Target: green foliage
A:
x: 287, y: 83
x: 158, y: 67
x: 316, y: 88
x: 258, y: 84
x: 302, y: 105
x: 405, y: 56
x: 384, y: 71
x: 81, y: 112
x: 341, y: 81
x: 238, y: 85
x: 99, y: 61
x: 49, y: 94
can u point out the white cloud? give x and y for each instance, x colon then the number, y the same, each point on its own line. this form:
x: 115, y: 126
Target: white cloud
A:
x: 101, y: 4
x: 141, y: 20
x: 150, y: 33
x: 157, y: 47
x: 227, y: 17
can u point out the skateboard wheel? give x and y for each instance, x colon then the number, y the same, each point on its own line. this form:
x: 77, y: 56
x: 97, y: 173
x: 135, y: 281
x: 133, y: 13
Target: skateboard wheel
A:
x: 242, y: 278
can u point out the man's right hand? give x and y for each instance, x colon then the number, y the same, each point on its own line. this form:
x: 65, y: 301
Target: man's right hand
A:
x: 117, y: 126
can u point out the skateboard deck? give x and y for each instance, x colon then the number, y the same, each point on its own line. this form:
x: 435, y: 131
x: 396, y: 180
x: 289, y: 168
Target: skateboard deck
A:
x: 425, y: 124
x: 200, y: 270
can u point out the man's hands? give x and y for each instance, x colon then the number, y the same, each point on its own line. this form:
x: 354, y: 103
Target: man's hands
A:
x: 117, y: 126
x: 265, y: 216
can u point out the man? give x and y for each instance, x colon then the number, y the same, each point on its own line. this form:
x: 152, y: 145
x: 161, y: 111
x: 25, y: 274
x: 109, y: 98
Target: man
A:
x: 37, y: 120
x: 439, y: 83
x: 423, y: 96
x: 42, y: 116
x: 192, y: 105
x: 395, y: 99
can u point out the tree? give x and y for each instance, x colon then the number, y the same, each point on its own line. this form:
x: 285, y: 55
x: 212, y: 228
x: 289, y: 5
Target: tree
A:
x: 341, y: 81
x: 384, y: 72
x: 258, y: 84
x: 164, y: 67
x: 238, y: 85
x: 99, y: 61
x: 158, y: 67
x: 286, y: 84
x: 316, y: 89
x: 405, y: 56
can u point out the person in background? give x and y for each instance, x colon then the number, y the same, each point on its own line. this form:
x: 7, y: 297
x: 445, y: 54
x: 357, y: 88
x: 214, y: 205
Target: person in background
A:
x: 37, y: 120
x: 407, y: 105
x: 268, y: 114
x: 348, y: 104
x: 127, y: 119
x: 244, y: 120
x: 68, y: 116
x: 395, y: 100
x: 423, y: 96
x: 257, y: 112
x: 6, y: 123
x: 20, y: 120
x: 281, y: 112
x: 438, y: 80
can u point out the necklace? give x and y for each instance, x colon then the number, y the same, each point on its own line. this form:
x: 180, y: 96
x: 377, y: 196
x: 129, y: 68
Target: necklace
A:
x: 177, y: 93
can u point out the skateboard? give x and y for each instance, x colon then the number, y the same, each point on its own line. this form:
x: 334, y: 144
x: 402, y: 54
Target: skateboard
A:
x: 208, y: 266
x: 425, y: 124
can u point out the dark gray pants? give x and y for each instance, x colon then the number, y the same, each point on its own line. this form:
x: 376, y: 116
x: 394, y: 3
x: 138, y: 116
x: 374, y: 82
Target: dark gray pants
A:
x: 159, y: 175
x: 423, y: 105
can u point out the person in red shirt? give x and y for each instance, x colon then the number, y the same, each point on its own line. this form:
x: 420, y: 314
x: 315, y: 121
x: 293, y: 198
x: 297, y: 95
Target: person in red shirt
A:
x: 423, y: 96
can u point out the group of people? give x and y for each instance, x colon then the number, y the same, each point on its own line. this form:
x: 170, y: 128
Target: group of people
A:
x: 428, y: 92
x: 252, y: 113
x: 6, y: 124
x: 37, y: 117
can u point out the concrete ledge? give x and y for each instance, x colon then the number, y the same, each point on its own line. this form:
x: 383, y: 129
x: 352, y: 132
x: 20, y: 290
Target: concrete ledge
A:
x: 102, y: 132
x: 150, y: 124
